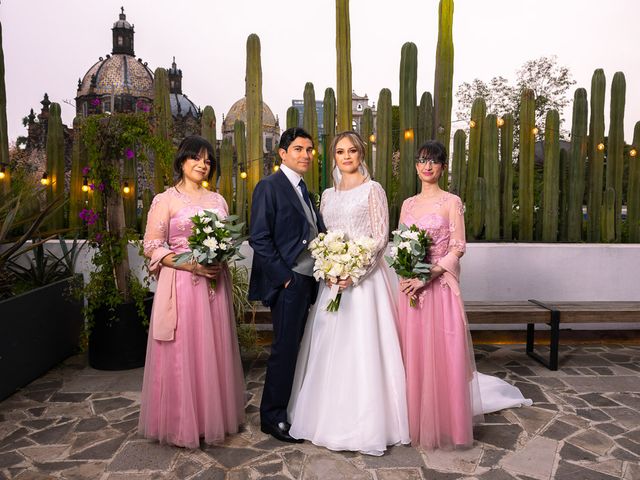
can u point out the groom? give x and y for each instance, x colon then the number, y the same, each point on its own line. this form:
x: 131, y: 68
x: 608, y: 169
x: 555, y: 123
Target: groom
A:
x: 283, y: 222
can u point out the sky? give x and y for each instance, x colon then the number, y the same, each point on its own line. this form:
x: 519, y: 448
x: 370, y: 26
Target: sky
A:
x: 49, y: 44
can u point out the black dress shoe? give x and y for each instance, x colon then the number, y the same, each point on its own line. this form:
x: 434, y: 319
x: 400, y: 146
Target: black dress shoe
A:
x: 280, y: 432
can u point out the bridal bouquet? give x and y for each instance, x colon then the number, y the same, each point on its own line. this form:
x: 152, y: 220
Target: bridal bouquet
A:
x: 338, y: 258
x: 214, y: 239
x: 408, y: 254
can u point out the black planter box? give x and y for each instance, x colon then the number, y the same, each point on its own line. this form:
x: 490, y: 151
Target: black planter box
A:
x: 118, y: 338
x: 38, y: 330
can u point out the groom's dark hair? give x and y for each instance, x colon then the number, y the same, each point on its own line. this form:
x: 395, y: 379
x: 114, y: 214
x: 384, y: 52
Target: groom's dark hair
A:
x: 290, y: 134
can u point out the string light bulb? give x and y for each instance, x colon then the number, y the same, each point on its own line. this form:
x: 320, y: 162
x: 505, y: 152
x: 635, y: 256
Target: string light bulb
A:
x: 126, y: 189
x: 85, y: 184
x: 3, y: 172
x: 534, y: 130
x: 276, y: 167
x: 205, y: 184
x: 472, y: 124
x: 243, y: 174
x: 633, y: 152
x: 500, y: 121
x: 372, y: 138
x: 601, y: 146
x: 408, y: 134
x: 313, y: 152
x: 45, y: 179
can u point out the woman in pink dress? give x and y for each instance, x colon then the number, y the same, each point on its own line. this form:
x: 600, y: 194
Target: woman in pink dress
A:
x: 442, y: 388
x: 193, y: 383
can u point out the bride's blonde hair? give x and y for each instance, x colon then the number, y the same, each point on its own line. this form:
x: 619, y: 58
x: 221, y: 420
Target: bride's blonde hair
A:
x: 356, y: 141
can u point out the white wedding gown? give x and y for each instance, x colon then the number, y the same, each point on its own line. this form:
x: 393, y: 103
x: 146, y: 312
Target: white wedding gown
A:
x: 349, y: 387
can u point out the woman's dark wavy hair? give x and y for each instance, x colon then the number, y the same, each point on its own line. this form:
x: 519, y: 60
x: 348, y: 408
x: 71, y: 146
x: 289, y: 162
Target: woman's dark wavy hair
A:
x: 191, y: 147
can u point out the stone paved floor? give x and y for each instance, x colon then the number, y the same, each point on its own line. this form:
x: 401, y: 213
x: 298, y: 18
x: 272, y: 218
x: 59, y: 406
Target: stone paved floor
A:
x: 79, y: 423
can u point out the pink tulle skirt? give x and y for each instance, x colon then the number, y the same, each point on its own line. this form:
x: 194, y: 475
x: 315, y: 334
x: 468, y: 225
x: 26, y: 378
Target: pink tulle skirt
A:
x: 193, y: 386
x: 438, y: 359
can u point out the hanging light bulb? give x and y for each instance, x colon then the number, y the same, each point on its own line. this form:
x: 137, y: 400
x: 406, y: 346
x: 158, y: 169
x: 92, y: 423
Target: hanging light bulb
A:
x: 472, y: 124
x: 243, y: 174
x: 205, y: 184
x: 601, y: 146
x: 126, y: 189
x: 534, y: 130
x: 276, y: 167
x: 372, y: 138
x: 633, y: 152
x: 313, y: 152
x: 85, y: 184
x: 408, y: 134
x: 45, y: 179
x: 3, y: 172
x: 500, y: 121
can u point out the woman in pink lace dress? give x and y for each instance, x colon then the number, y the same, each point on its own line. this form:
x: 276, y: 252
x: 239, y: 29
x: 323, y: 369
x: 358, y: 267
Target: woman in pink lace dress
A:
x: 442, y: 386
x: 193, y: 384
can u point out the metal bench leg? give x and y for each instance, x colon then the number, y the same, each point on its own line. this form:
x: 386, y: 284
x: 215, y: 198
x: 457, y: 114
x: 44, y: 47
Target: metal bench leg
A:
x: 531, y: 332
x: 554, y: 339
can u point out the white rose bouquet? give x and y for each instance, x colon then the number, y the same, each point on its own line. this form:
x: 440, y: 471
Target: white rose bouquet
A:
x: 338, y: 259
x: 409, y: 253
x: 214, y: 239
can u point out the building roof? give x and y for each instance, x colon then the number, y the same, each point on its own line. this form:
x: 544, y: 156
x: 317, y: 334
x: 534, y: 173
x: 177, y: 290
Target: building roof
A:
x: 118, y: 74
x: 238, y: 111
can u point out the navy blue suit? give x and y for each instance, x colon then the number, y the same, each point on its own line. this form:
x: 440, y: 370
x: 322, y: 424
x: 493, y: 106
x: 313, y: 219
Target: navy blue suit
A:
x: 279, y: 232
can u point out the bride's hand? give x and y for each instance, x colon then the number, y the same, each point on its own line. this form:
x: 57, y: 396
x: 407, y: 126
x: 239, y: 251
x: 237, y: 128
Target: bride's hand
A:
x: 409, y: 286
x: 347, y: 282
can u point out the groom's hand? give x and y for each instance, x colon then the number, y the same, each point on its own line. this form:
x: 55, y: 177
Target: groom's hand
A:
x: 286, y: 284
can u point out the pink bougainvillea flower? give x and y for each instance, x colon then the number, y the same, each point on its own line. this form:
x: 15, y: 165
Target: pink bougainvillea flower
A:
x: 98, y: 237
x: 129, y: 153
x: 95, y: 102
x: 92, y: 186
x: 85, y: 171
x: 88, y: 216
x: 101, y: 187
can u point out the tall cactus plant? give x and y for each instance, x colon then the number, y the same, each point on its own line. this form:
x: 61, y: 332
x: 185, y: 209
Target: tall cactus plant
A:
x: 226, y: 172
x: 564, y: 194
x: 310, y: 124
x: 459, y: 164
x: 329, y: 124
x: 147, y: 198
x: 615, y: 147
x: 253, y: 92
x: 343, y: 65
x: 424, y: 130
x: 443, y: 84
x: 55, y: 164
x: 506, y: 176
x: 526, y: 164
x: 130, y: 198
x: 551, y: 180
x: 239, y: 138
x: 292, y: 117
x: 78, y: 163
x: 596, y: 155
x: 478, y: 112
x: 478, y: 207
x: 577, y: 166
x: 384, y: 143
x: 491, y: 175
x: 608, y: 222
x: 208, y: 131
x: 633, y: 193
x: 163, y: 124
x: 408, y: 119
x: 4, y: 139
x: 366, y: 131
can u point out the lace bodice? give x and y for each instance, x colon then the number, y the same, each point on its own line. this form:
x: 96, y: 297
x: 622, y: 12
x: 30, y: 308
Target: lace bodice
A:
x: 169, y: 223
x: 442, y: 218
x: 359, y: 212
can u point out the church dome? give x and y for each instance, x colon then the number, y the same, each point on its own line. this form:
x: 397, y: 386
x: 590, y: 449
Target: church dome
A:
x: 117, y: 74
x: 238, y: 111
x: 181, y: 106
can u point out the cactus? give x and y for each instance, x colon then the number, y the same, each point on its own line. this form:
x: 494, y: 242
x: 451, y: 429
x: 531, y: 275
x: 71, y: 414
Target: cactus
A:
x: 608, y: 222
x: 226, y: 172
x: 551, y: 181
x: 253, y: 92
x: 424, y: 131
x: 526, y: 171
x: 208, y: 131
x: 310, y: 124
x: 292, y: 117
x: 564, y: 194
x: 443, y: 84
x: 329, y: 122
x: 147, y: 198
x: 477, y: 215
x: 576, y: 166
x: 384, y: 143
x: 163, y: 124
x: 408, y: 119
x: 491, y: 175
x: 615, y: 147
x: 78, y: 162
x: 240, y: 141
x: 478, y: 111
x: 5, y: 183
x: 130, y: 200
x: 343, y: 65
x: 596, y: 156
x: 55, y: 164
x: 366, y: 131
x: 633, y: 193
x: 506, y: 176
x: 459, y: 165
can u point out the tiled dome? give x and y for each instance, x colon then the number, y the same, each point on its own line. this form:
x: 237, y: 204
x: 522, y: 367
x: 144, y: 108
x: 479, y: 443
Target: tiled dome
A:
x: 238, y: 111
x: 118, y: 74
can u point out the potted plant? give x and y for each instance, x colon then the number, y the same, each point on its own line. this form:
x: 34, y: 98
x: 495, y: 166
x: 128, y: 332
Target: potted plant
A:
x: 118, y: 302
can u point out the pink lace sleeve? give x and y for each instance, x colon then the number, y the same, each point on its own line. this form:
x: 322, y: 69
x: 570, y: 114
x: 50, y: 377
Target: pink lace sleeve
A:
x: 157, y: 229
x: 379, y: 218
x: 457, y: 240
x: 406, y: 205
x: 221, y: 204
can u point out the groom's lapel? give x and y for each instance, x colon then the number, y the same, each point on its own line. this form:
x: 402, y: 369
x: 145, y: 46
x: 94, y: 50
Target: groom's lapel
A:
x: 290, y: 193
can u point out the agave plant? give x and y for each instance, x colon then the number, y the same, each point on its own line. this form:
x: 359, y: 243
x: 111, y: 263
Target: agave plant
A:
x: 247, y: 334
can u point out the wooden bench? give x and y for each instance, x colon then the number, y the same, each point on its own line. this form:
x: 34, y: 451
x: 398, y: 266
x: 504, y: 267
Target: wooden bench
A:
x: 553, y: 314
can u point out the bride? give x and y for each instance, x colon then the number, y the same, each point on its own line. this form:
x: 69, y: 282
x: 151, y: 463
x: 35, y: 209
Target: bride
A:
x: 349, y: 386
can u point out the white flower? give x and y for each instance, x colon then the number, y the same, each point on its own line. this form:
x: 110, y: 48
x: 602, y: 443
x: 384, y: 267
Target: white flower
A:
x: 404, y: 246
x: 410, y: 235
x: 394, y: 252
x: 212, y: 243
x: 205, y: 219
x: 219, y: 224
x: 207, y: 229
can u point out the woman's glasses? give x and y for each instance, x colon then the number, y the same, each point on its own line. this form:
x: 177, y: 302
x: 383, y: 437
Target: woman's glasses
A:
x: 428, y: 160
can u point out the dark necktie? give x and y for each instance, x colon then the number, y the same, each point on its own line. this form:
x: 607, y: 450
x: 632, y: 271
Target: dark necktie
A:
x: 305, y: 193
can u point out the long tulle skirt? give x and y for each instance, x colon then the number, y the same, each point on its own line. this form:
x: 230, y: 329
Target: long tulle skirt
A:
x: 193, y: 386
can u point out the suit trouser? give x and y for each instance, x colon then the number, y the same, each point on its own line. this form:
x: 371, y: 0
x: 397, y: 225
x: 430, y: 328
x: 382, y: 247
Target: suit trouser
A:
x: 289, y: 315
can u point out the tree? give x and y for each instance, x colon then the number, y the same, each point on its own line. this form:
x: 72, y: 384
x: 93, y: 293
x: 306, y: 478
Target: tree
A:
x: 549, y: 81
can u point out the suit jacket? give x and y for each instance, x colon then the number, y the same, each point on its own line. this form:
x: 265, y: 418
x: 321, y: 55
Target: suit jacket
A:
x: 279, y: 232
